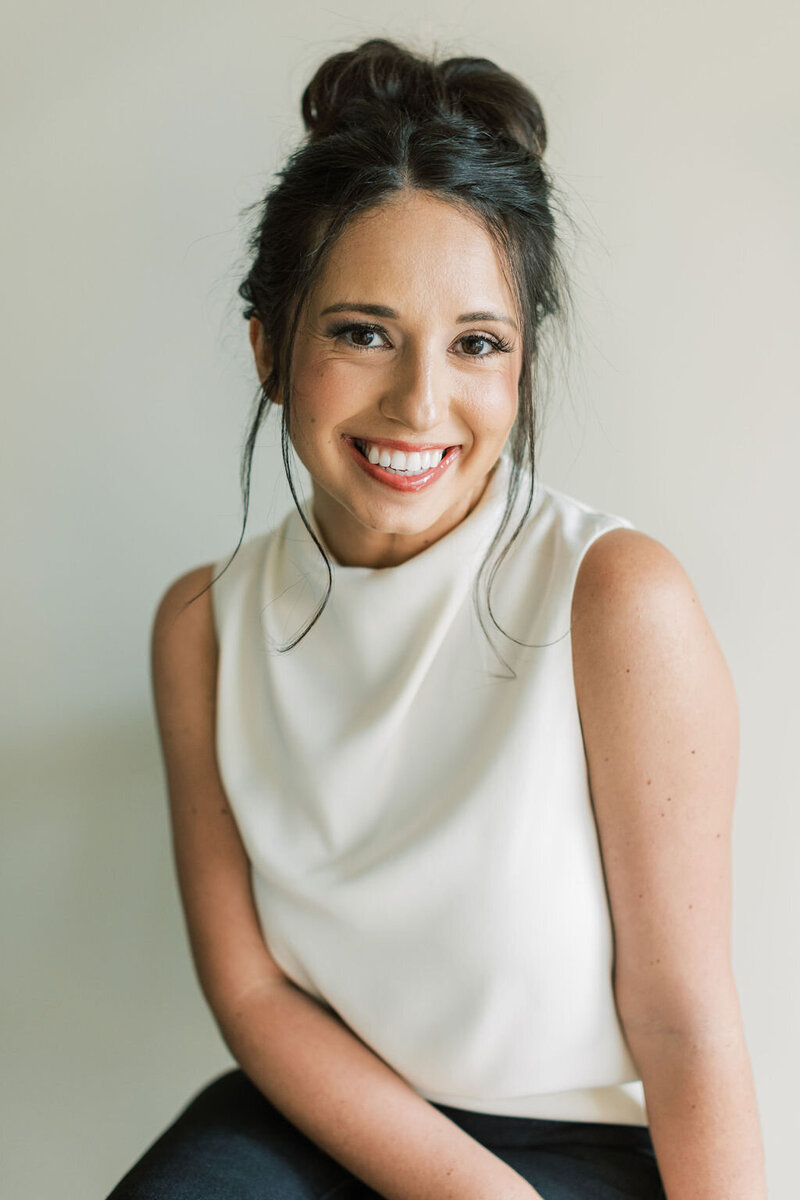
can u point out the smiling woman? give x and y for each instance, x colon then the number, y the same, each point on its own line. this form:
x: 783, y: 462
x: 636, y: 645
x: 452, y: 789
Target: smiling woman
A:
x: 464, y: 933
x: 433, y: 375
x: 420, y: 198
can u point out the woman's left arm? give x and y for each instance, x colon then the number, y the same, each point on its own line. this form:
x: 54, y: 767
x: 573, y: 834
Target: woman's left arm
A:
x: 660, y: 726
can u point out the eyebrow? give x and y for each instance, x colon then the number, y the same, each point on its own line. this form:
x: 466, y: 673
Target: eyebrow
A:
x: 381, y: 310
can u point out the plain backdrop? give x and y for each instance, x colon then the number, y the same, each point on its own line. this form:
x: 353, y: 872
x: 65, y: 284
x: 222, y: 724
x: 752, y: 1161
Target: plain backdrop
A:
x: 133, y: 136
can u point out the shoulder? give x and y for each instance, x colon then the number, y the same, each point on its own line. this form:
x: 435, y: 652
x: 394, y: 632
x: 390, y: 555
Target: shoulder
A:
x: 650, y: 675
x: 189, y: 604
x: 636, y: 617
x: 184, y: 608
x: 633, y: 597
x: 183, y: 647
x: 621, y: 571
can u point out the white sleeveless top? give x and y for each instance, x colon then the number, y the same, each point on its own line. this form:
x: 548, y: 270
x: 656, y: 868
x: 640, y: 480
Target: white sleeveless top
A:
x: 424, y: 856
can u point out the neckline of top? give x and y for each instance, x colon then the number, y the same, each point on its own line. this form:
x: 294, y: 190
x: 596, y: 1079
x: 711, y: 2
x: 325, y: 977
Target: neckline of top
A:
x: 471, y: 535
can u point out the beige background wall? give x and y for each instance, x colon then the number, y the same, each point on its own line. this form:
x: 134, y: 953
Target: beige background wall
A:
x: 132, y: 135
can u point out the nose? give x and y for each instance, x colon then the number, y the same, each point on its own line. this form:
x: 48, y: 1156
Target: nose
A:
x: 416, y: 395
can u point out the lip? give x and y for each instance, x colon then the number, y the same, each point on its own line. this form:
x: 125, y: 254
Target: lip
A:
x: 408, y: 447
x: 401, y: 483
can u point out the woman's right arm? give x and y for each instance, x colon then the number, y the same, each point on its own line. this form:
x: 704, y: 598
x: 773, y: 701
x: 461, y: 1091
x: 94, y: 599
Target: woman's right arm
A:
x: 315, y: 1070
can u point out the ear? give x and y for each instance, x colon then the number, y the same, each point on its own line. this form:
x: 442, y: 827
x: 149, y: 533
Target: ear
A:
x: 262, y: 352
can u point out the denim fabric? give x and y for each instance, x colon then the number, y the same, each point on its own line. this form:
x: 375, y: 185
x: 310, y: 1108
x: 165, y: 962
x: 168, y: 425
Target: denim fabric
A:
x: 231, y: 1143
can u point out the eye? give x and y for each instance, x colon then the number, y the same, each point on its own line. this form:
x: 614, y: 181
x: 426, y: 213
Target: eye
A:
x: 499, y: 345
x: 366, y: 330
x: 361, y: 330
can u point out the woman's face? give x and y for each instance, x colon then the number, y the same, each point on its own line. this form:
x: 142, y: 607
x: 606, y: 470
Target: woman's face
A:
x: 437, y: 367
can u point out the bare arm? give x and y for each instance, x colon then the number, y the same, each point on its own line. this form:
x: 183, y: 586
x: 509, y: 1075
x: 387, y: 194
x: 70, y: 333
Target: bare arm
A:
x: 660, y: 725
x: 352, y: 1104
x: 303, y: 1058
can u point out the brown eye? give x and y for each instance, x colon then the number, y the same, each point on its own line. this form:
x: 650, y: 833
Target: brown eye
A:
x: 360, y: 330
x: 359, y: 336
x: 497, y: 345
x: 473, y: 338
x: 363, y: 333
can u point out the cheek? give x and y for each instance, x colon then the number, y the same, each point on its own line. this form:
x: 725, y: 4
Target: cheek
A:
x: 490, y: 404
x: 324, y: 391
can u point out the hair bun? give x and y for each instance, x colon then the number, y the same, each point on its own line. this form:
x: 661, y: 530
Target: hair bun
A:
x: 347, y: 86
x: 480, y: 90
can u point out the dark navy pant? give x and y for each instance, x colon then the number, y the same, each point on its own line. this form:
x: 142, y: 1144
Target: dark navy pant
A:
x: 231, y: 1143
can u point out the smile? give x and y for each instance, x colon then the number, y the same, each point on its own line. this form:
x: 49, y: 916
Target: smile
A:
x: 402, y: 470
x: 411, y: 463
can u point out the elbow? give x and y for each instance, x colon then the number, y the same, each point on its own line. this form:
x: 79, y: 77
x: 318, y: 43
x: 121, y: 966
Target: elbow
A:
x: 690, y: 1018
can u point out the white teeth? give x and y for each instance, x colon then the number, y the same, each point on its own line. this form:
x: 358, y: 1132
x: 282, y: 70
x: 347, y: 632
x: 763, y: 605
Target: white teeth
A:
x: 413, y: 463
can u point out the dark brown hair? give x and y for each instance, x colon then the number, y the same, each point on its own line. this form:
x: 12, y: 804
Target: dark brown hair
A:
x: 381, y: 119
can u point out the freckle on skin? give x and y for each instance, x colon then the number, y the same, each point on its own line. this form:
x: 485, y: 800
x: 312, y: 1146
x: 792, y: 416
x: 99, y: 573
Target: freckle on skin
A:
x: 649, y: 782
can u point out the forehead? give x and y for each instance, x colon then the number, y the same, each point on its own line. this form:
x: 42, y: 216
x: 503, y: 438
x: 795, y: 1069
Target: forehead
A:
x: 418, y: 248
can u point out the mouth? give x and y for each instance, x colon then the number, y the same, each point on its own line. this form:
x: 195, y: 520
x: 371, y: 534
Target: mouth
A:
x: 408, y: 470
x: 402, y: 458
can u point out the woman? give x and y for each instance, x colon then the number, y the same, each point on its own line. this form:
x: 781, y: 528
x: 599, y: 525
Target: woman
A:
x: 465, y: 931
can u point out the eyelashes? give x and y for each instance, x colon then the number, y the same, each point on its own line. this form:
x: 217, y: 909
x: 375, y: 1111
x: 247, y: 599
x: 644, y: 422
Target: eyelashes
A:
x: 337, y: 332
